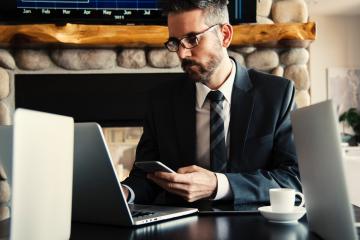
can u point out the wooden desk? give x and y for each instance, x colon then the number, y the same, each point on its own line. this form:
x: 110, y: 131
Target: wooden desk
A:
x: 241, y: 226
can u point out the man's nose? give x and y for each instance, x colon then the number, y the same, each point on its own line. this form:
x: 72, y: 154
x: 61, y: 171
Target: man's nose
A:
x: 183, y: 52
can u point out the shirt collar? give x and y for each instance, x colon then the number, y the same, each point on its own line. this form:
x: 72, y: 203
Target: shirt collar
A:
x: 226, y: 88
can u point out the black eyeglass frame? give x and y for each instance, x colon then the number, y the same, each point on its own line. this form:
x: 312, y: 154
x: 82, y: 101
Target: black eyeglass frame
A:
x: 179, y: 42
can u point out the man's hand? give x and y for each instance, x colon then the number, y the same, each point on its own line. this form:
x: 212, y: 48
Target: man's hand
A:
x: 192, y: 182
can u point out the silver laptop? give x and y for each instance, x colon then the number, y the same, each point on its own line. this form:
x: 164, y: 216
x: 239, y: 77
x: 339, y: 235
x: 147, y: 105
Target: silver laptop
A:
x: 97, y: 193
x: 317, y: 142
x: 37, y: 155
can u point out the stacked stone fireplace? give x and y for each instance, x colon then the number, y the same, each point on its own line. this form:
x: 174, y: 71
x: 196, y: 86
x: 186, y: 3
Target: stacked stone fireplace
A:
x: 289, y: 62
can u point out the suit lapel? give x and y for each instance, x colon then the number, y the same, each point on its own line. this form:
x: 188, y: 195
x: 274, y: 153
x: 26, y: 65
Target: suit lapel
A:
x: 242, y: 104
x: 184, y: 112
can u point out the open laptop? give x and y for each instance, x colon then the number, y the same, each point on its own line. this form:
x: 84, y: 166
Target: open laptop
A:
x: 37, y: 155
x: 97, y: 193
x: 317, y: 142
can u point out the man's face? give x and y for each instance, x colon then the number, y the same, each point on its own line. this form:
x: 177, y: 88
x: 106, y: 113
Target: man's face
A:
x: 201, y: 61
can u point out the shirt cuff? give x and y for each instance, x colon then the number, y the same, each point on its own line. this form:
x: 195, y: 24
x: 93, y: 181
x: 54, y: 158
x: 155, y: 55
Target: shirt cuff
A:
x: 131, y: 196
x: 223, y: 187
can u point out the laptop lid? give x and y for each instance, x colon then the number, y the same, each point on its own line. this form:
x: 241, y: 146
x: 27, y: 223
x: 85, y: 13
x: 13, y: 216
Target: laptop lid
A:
x: 42, y: 165
x: 317, y: 142
x: 97, y: 193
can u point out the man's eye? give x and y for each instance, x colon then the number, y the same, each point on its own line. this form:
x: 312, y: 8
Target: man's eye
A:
x: 192, y: 40
x: 174, y: 43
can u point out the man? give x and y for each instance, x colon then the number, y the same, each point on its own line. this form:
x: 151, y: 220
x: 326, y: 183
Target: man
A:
x: 224, y: 129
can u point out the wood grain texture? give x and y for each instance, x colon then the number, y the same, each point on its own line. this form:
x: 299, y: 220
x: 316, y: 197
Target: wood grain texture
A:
x: 267, y: 33
x: 139, y: 36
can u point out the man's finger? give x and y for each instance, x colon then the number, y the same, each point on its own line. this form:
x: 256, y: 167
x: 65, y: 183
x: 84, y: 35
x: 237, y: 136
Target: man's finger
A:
x: 191, y: 169
x: 171, y: 185
x: 165, y: 185
x: 183, y: 190
x: 188, y: 196
x: 173, y: 177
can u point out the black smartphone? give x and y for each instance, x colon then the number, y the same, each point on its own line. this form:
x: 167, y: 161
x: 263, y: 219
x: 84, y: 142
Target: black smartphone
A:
x: 153, y: 166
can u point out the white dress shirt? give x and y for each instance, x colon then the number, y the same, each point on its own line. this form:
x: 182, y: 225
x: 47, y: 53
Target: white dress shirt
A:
x: 203, y: 129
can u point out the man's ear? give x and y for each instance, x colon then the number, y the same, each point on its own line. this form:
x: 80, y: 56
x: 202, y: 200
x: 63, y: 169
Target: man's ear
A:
x: 227, y: 34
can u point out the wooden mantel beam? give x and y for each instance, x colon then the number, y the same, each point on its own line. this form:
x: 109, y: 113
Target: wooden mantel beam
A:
x: 266, y: 33
x: 139, y: 36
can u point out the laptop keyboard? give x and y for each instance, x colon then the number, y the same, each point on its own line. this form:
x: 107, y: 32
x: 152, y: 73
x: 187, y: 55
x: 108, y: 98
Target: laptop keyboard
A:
x: 141, y: 213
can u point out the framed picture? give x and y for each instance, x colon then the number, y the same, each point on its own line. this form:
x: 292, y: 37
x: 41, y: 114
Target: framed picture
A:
x: 343, y: 86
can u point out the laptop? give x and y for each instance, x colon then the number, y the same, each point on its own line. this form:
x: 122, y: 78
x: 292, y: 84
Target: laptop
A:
x: 97, y: 193
x: 317, y: 142
x: 37, y: 156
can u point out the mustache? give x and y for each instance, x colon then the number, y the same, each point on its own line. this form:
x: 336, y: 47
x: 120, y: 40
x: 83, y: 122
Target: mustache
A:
x: 188, y: 62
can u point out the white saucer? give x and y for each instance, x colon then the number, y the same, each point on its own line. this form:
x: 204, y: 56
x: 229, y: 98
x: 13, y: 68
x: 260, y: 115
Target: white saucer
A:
x: 282, y: 217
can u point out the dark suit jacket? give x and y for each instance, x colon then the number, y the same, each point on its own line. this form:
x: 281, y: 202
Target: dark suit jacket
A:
x: 262, y: 153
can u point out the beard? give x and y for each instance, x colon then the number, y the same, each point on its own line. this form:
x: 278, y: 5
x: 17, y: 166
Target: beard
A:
x: 201, y: 72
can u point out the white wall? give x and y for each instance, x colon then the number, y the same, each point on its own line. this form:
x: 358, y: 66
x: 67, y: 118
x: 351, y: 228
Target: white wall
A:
x: 337, y: 45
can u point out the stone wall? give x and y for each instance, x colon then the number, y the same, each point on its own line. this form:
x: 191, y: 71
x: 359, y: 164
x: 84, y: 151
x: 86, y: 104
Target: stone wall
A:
x: 291, y: 63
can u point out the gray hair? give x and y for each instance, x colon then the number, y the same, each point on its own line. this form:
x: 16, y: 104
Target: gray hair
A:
x: 215, y: 11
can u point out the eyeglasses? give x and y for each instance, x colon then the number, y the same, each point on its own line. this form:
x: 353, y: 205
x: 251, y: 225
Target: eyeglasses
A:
x: 187, y: 42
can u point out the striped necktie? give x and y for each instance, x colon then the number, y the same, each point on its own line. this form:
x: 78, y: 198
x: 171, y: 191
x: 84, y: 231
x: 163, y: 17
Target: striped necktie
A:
x: 217, y: 133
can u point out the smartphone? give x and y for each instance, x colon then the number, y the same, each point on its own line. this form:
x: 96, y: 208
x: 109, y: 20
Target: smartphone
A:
x: 153, y: 166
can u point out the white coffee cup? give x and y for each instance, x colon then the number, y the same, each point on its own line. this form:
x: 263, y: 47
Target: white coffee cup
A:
x: 283, y: 199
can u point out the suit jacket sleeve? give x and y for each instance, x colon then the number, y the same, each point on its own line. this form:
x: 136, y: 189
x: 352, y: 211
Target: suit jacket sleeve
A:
x: 282, y: 168
x: 147, y: 150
